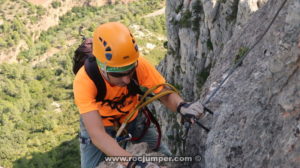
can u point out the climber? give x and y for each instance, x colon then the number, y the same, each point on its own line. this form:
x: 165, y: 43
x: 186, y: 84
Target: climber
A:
x: 120, y: 65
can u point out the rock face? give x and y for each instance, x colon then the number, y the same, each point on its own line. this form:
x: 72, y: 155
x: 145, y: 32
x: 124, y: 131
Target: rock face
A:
x: 257, y: 110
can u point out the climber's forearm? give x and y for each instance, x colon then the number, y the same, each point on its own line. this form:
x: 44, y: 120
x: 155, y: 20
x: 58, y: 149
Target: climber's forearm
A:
x: 171, y: 101
x: 108, y: 145
x: 103, y: 141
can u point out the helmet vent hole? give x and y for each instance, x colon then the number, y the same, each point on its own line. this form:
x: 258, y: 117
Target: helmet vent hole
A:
x: 108, y: 49
x: 104, y: 43
x: 108, y: 56
x: 100, y: 39
x: 136, y: 48
x: 133, y: 41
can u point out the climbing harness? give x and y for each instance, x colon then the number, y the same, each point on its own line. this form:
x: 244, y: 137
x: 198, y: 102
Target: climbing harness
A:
x: 143, y: 102
x: 150, y: 118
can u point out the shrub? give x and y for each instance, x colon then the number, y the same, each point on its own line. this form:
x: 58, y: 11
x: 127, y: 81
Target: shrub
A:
x: 56, y: 4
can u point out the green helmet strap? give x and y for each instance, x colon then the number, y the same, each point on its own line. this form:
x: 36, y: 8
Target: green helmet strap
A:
x: 115, y: 69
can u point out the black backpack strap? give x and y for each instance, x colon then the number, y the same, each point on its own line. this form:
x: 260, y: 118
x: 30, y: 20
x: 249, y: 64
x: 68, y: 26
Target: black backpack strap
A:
x: 134, y: 87
x: 93, y: 72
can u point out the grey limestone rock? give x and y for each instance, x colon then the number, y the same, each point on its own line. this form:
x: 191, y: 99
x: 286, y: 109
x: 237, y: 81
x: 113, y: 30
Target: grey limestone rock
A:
x: 257, y: 110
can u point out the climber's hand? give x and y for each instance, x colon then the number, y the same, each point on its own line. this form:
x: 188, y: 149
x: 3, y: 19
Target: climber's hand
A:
x: 139, y: 164
x: 191, y: 110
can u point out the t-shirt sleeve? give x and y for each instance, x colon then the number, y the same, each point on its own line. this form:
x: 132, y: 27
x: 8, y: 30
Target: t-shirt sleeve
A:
x: 84, y: 92
x: 148, y: 76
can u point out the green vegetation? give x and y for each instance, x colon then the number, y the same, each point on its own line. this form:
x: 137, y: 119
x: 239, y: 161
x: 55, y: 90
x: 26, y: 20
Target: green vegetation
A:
x: 178, y: 86
x: 241, y: 53
x: 38, y: 118
x: 190, y: 18
x: 209, y: 45
x: 185, y: 20
x: 172, y: 51
x: 234, y: 10
x: 91, y: 17
x: 13, y: 32
x: 202, y: 76
x: 197, y: 9
x: 179, y: 7
x: 197, y: 6
x: 222, y: 1
x: 37, y: 112
x: 65, y: 155
x: 166, y: 44
x: 17, y: 16
x: 148, y: 39
x: 56, y: 4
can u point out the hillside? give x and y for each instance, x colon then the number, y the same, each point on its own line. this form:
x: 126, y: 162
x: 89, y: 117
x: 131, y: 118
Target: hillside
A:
x: 241, y: 58
x: 38, y: 119
x: 22, y: 21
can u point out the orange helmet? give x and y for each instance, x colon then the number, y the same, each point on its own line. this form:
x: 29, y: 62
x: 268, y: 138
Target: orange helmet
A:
x: 114, y: 47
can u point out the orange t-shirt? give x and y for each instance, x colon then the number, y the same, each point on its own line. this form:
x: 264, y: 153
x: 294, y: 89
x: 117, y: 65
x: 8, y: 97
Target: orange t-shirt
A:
x: 85, y: 92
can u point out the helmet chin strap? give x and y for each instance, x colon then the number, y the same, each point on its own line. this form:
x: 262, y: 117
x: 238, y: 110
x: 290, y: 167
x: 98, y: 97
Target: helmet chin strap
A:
x: 103, y: 71
x: 105, y: 75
